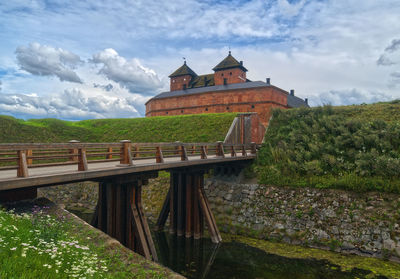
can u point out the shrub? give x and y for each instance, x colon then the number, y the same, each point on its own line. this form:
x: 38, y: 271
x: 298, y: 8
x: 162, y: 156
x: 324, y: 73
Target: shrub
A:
x: 356, y: 147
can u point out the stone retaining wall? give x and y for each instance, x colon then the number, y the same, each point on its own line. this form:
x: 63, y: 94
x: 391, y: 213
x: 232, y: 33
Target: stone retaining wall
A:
x: 362, y: 223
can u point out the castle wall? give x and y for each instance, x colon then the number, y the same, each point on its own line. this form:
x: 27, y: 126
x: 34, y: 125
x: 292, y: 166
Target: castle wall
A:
x: 260, y: 100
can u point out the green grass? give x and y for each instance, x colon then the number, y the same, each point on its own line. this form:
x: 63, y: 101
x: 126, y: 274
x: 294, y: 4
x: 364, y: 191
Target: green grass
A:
x: 377, y: 267
x: 185, y: 128
x: 354, y: 148
x: 44, y: 245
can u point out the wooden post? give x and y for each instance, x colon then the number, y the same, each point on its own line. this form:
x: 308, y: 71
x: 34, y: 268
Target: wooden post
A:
x: 220, y: 150
x: 136, y: 152
x: 197, y: 223
x: 180, y: 202
x: 22, y: 164
x: 189, y: 205
x: 177, y: 148
x: 159, y: 155
x: 82, y: 163
x: 193, y: 149
x: 253, y: 148
x: 203, y: 152
x: 109, y: 150
x: 172, y: 204
x: 244, y: 153
x: 28, y: 154
x: 126, y: 153
x: 73, y: 152
x: 162, y: 218
x: 233, y: 151
x: 183, y: 152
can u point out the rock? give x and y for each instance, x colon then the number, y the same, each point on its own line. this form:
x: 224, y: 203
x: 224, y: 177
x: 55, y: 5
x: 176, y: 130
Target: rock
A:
x: 228, y: 197
x: 389, y: 244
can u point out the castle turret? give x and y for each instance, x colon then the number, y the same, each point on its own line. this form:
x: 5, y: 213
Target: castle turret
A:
x: 229, y: 71
x: 181, y: 78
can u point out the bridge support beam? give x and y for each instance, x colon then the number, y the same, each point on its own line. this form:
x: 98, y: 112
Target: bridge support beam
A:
x: 119, y: 213
x: 187, y: 207
x: 18, y: 194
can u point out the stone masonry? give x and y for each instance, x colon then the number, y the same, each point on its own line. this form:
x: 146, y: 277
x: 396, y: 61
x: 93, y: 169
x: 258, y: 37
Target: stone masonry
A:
x: 360, y: 223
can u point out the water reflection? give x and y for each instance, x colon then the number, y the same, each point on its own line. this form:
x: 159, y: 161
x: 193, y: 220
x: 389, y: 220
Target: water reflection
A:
x: 204, y: 259
x: 189, y: 257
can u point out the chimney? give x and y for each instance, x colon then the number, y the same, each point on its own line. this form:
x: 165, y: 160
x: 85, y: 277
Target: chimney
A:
x: 241, y: 63
x: 306, y: 101
x: 268, y: 81
x: 292, y: 92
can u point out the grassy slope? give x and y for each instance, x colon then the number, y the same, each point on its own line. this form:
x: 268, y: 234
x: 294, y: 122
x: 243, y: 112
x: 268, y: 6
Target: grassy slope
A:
x: 351, y: 147
x: 185, y: 128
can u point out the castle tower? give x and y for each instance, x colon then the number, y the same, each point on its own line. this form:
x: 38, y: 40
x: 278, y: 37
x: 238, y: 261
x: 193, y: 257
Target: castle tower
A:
x: 181, y: 78
x: 229, y: 71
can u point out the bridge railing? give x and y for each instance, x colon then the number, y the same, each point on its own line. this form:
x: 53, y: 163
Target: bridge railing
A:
x: 22, y: 156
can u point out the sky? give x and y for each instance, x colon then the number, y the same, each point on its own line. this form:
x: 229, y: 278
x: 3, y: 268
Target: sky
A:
x: 91, y: 59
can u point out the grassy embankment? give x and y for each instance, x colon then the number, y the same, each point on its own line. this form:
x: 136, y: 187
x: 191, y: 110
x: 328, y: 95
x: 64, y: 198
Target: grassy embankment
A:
x: 185, y: 128
x: 351, y: 147
x: 49, y: 243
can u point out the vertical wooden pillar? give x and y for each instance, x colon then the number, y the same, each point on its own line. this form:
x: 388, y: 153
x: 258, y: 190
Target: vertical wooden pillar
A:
x: 220, y: 153
x: 119, y: 213
x: 126, y: 153
x: 188, y: 206
x: 73, y: 151
x: 22, y: 170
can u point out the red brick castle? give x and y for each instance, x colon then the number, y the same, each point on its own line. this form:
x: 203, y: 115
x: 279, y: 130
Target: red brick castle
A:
x: 226, y: 90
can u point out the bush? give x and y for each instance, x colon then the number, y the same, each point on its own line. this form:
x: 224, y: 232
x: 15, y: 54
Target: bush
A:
x: 339, y: 147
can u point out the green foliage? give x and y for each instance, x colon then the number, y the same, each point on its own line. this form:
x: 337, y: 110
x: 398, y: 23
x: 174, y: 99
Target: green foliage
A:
x: 185, y: 128
x: 355, y: 148
x: 44, y: 244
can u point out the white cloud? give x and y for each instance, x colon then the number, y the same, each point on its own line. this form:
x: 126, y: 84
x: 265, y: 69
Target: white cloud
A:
x: 72, y: 104
x: 391, y: 55
x: 45, y: 60
x: 289, y: 10
x: 350, y: 97
x: 129, y: 74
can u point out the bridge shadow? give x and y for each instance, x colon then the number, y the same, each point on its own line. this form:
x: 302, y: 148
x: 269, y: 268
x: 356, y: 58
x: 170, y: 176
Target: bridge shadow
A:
x: 190, y: 257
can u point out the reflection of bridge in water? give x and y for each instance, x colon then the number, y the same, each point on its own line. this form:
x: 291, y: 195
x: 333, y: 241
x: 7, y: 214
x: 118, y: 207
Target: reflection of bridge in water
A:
x: 190, y: 257
x: 121, y: 170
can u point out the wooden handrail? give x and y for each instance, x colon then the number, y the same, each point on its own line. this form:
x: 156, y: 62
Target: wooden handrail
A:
x: 74, y: 152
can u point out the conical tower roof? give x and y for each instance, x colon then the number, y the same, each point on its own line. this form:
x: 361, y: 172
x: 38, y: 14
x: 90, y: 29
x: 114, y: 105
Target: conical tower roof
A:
x: 228, y: 63
x: 182, y: 71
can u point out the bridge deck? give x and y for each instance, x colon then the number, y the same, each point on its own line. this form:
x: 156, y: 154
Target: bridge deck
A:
x: 44, y: 176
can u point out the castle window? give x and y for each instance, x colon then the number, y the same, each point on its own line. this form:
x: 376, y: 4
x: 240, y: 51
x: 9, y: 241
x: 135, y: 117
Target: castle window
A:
x: 222, y: 75
x: 225, y: 81
x: 181, y: 111
x: 184, y: 86
x: 230, y: 73
x: 166, y: 112
x: 252, y: 106
x: 206, y: 109
x: 227, y: 108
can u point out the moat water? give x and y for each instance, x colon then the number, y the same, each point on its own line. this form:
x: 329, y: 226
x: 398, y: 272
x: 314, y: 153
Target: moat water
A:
x: 234, y: 260
x: 202, y: 259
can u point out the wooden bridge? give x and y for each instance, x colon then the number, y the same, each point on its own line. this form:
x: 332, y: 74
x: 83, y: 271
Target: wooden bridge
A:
x: 121, y: 170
